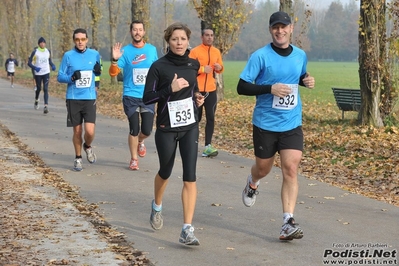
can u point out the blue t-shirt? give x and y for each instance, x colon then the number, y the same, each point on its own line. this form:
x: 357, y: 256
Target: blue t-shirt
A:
x: 264, y: 67
x: 84, y: 88
x: 135, y: 63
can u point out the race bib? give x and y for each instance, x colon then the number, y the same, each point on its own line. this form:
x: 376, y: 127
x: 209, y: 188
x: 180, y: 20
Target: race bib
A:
x: 288, y: 102
x: 85, y: 80
x: 43, y: 60
x: 11, y: 66
x: 139, y: 76
x: 181, y: 113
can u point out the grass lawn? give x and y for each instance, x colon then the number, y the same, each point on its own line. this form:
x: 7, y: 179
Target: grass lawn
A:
x: 327, y: 75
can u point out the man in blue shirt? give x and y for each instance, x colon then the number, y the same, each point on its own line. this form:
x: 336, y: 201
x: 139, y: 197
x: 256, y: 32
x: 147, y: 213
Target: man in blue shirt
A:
x: 78, y: 70
x: 273, y: 74
x: 135, y: 59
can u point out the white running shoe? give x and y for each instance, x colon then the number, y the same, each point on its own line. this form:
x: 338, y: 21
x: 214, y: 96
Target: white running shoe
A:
x: 249, y: 194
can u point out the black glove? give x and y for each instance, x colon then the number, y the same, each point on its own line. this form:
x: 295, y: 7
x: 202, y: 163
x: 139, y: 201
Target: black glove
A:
x: 76, y: 75
x: 97, y: 69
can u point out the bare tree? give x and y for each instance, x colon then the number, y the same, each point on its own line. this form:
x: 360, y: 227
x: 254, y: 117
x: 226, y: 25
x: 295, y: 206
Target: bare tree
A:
x: 141, y: 11
x: 373, y: 71
x: 114, y: 10
x: 286, y: 6
x: 24, y: 30
x: 11, y: 7
x: 66, y: 27
x: 226, y: 18
x: 77, y: 10
x: 95, y: 12
x: 3, y: 31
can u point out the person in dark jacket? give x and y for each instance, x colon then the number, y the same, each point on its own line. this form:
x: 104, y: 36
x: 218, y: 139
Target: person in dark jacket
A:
x: 40, y: 62
x: 172, y: 84
x: 10, y: 65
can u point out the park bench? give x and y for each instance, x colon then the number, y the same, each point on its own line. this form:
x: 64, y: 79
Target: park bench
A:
x: 347, y: 99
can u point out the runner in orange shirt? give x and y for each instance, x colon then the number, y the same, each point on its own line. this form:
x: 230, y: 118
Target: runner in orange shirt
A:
x: 211, y: 63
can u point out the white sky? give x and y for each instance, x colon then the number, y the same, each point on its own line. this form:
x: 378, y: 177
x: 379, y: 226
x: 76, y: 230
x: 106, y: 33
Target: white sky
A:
x: 324, y: 3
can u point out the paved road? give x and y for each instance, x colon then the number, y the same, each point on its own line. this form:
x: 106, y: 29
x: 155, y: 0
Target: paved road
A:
x: 334, y: 221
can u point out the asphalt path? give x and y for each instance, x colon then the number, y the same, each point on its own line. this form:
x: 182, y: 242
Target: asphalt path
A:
x: 337, y: 224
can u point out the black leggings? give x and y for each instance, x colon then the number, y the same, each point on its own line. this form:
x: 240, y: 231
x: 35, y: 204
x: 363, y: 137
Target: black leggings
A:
x: 147, y: 121
x: 210, y: 105
x: 39, y: 80
x: 166, y: 143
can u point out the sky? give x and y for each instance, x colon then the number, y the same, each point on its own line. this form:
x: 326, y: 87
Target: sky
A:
x: 324, y: 4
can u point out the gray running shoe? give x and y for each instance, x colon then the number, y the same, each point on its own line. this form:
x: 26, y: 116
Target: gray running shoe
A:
x: 91, y: 156
x: 291, y: 230
x: 249, y: 194
x: 77, y: 165
x: 45, y: 110
x: 187, y: 237
x: 36, y: 105
x: 156, y: 219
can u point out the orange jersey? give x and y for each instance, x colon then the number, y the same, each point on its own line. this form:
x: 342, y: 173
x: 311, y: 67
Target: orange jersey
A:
x: 207, y: 56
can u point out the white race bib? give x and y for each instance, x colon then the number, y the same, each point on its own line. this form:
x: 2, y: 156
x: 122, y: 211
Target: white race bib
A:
x: 181, y: 113
x: 11, y: 66
x: 85, y: 80
x: 288, y: 102
x: 139, y: 76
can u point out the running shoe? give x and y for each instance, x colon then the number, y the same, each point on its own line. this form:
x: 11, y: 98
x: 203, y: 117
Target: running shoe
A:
x: 45, y: 110
x: 91, y: 156
x: 156, y: 219
x: 77, y: 164
x: 249, y: 194
x: 209, y: 151
x: 134, y: 164
x: 291, y: 230
x: 36, y: 104
x: 141, y: 149
x: 187, y: 236
x: 12, y: 86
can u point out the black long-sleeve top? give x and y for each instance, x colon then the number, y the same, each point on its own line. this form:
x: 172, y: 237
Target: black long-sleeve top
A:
x: 158, y: 87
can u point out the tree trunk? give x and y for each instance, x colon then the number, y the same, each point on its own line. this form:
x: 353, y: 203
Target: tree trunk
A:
x: 65, y: 26
x: 372, y: 60
x: 219, y: 86
x: 25, y: 52
x: 12, y: 42
x: 226, y: 19
x: 95, y: 13
x: 286, y: 6
x: 141, y: 11
x: 208, y: 20
x: 113, y: 8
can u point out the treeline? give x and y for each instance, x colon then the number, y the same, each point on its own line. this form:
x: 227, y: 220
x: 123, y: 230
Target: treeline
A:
x: 330, y: 34
x: 327, y: 35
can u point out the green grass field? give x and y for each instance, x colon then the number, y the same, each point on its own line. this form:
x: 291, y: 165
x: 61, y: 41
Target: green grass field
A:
x: 327, y: 75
